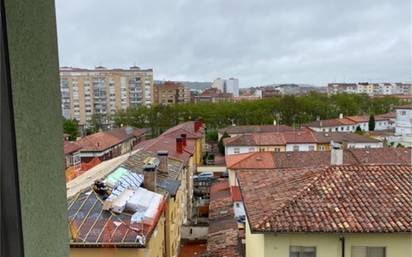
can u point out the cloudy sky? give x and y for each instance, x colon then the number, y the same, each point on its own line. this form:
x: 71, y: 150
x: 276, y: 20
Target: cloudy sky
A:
x: 259, y: 42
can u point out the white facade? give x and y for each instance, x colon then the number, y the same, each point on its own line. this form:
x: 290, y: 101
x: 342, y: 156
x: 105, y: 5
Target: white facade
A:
x: 403, y: 125
x: 229, y: 150
x: 365, y: 145
x: 342, y: 128
x: 219, y: 84
x: 227, y: 85
x: 300, y: 147
x: 232, y: 86
x: 370, y: 89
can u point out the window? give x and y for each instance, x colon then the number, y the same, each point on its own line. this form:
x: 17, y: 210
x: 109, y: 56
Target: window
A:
x: 295, y: 148
x: 302, y: 251
x: 251, y: 149
x: 236, y: 150
x: 311, y: 148
x: 403, y: 113
x: 366, y: 251
x: 277, y: 149
x: 322, y: 148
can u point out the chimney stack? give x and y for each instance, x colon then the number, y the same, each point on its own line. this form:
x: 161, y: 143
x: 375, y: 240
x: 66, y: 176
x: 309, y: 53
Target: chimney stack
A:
x: 163, y: 159
x: 150, y: 177
x: 196, y: 124
x: 184, y: 139
x: 179, y: 145
x: 340, y: 115
x: 336, y: 154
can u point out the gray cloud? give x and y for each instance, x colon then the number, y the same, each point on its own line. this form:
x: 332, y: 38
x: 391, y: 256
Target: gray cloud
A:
x: 260, y: 42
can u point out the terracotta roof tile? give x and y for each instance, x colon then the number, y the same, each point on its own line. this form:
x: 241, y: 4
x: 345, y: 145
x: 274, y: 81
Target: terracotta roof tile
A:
x: 255, y: 129
x: 223, y: 235
x: 71, y: 147
x: 101, y: 141
x: 340, y: 199
x: 280, y: 160
x: 330, y: 123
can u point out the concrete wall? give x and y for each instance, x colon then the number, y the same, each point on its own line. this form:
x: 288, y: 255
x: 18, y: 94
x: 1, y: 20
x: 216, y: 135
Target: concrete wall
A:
x: 32, y: 41
x: 194, y: 233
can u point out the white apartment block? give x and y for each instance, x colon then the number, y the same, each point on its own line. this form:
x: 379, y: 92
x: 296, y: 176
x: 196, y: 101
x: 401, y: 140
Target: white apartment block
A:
x: 371, y: 89
x: 103, y: 91
x: 230, y: 85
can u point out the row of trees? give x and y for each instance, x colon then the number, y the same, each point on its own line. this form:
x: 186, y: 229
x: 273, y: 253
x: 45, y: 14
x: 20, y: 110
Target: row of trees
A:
x: 289, y: 110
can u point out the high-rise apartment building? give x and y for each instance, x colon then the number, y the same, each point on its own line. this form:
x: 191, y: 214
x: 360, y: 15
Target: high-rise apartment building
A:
x: 103, y: 91
x: 171, y: 93
x: 230, y: 86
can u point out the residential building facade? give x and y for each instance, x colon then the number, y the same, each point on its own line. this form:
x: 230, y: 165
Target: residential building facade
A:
x: 351, y: 123
x: 103, y: 91
x: 171, y: 93
x: 319, y: 212
x: 371, y: 89
x: 296, y: 141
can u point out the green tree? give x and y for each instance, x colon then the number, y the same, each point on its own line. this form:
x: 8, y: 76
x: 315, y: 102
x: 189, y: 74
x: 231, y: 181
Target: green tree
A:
x: 221, y: 145
x: 212, y: 135
x: 96, y: 123
x: 371, y: 123
x: 71, y: 127
x: 358, y: 130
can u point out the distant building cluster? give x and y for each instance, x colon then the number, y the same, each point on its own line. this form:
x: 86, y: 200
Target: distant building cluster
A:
x: 371, y: 89
x: 229, y: 86
x: 171, y: 93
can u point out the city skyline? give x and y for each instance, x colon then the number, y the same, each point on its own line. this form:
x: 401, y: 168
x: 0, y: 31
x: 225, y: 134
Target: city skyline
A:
x: 259, y: 43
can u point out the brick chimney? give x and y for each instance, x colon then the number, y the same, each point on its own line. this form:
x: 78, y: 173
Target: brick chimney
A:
x: 179, y: 145
x: 184, y: 139
x: 163, y: 158
x: 196, y: 124
x: 150, y: 177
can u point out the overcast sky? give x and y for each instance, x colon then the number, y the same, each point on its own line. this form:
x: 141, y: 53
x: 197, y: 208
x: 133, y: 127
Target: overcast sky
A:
x: 259, y: 42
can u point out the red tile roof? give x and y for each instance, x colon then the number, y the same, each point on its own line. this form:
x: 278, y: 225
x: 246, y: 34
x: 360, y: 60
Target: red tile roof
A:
x: 257, y: 160
x: 223, y: 235
x: 167, y: 141
x: 271, y: 138
x: 187, y: 128
x: 280, y: 160
x: 101, y: 141
x: 330, y: 123
x: 236, y: 196
x: 365, y: 118
x: 71, y: 147
x: 343, y: 137
x: 255, y: 129
x: 339, y: 199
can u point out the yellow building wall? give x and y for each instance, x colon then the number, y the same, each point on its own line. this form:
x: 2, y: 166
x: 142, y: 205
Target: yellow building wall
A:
x: 174, y: 221
x: 255, y: 243
x: 326, y: 147
x: 155, y: 247
x: 327, y: 245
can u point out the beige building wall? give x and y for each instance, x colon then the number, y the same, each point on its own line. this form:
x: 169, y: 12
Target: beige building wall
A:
x: 327, y: 244
x: 120, y: 89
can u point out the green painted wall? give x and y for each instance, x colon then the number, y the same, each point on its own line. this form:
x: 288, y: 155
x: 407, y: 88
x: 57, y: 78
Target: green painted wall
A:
x: 33, y: 53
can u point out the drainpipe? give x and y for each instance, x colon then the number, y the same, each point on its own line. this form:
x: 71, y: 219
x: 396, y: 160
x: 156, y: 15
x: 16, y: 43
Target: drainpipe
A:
x: 342, y: 240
